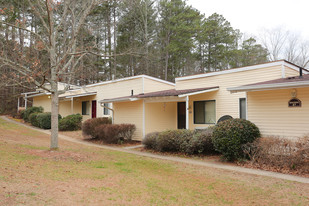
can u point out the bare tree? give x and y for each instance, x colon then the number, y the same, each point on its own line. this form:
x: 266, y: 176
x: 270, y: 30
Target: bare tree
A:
x: 61, y: 22
x: 284, y: 44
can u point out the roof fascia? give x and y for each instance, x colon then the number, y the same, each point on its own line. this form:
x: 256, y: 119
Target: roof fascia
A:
x: 199, y: 92
x: 268, y: 86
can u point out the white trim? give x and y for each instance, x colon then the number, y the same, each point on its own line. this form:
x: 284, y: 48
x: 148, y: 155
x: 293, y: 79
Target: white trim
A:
x: 30, y: 92
x: 40, y: 94
x: 277, y: 63
x: 119, y: 100
x: 268, y: 86
x: 246, y: 106
x: 144, y: 120
x: 199, y: 92
x: 282, y: 71
x: 130, y: 78
x: 81, y: 95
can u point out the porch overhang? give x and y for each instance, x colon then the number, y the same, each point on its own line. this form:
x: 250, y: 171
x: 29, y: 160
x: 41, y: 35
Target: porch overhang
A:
x: 124, y: 99
x: 79, y: 95
x: 274, y: 86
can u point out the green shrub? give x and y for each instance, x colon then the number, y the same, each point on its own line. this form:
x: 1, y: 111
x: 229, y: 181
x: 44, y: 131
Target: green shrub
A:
x: 184, y: 141
x: 200, y: 143
x: 33, y: 118
x: 88, y: 127
x: 71, y: 122
x: 150, y: 140
x: 230, y: 135
x: 114, y: 133
x: 44, y: 120
x: 26, y: 113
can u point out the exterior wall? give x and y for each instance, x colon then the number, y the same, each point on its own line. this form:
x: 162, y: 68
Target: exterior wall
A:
x: 270, y: 112
x: 42, y: 101
x: 290, y: 72
x: 160, y: 116
x: 116, y: 89
x: 152, y: 86
x: 227, y: 103
x: 130, y: 113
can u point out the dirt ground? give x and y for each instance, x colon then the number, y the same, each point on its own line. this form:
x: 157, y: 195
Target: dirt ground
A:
x: 31, y: 174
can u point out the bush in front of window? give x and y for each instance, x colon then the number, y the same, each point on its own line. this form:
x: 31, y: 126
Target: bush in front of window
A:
x: 183, y: 141
x: 114, y: 133
x: 88, y: 127
x: 44, y: 120
x: 230, y: 135
x: 26, y: 113
x: 71, y: 122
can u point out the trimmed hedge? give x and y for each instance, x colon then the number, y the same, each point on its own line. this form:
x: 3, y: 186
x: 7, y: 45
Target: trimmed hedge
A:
x: 26, y: 113
x: 33, y: 118
x: 184, y: 141
x: 44, y: 120
x: 88, y: 127
x: 230, y: 135
x: 114, y: 133
x: 71, y: 122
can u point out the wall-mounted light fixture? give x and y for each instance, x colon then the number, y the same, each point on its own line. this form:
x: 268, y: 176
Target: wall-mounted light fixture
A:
x: 294, y: 93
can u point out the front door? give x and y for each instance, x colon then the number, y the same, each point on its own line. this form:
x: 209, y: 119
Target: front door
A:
x: 181, y: 113
x: 94, y: 109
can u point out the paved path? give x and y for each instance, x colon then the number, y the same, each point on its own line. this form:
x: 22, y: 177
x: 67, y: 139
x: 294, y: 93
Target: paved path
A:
x: 177, y: 159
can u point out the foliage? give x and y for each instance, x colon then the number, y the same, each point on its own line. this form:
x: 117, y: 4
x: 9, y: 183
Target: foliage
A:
x: 44, y: 120
x: 33, y: 119
x: 230, y: 135
x: 114, y: 133
x: 184, y: 141
x: 71, y: 122
x: 88, y: 126
x: 279, y: 153
x: 26, y: 113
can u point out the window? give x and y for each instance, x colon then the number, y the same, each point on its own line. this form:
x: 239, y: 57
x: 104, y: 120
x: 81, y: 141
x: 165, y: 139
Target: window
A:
x: 85, y: 108
x: 242, y: 108
x: 205, y: 112
x: 106, y: 111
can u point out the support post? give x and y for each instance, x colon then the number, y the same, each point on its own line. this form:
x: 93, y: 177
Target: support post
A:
x: 26, y: 101
x: 187, y: 112
x: 144, y: 130
x: 72, y: 105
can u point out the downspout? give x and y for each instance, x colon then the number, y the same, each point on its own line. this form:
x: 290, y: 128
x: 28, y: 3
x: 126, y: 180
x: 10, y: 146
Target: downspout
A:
x: 18, y: 103
x: 72, y: 105
x: 187, y: 112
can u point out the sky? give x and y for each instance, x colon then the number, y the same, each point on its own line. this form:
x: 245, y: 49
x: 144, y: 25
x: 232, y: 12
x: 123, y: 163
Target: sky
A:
x: 252, y: 16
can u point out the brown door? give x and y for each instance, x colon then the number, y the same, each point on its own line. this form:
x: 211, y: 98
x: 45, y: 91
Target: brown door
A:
x: 181, y: 108
x: 94, y: 109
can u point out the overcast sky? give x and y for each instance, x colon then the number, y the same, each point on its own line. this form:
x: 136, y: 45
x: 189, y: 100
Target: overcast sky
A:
x: 250, y: 16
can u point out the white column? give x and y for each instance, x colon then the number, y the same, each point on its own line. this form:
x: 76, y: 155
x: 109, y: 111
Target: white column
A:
x: 187, y: 112
x: 144, y: 131
x: 25, y: 101
x: 72, y: 105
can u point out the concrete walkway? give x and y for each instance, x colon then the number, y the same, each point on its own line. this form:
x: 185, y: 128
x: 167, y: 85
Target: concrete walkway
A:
x: 176, y: 159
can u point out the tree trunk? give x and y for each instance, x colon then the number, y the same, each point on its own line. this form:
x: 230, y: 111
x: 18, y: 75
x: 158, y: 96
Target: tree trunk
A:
x: 54, y: 116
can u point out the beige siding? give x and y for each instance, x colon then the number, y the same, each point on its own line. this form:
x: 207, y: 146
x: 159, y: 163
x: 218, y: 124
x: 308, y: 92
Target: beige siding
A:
x: 116, y: 89
x: 42, y: 101
x: 130, y: 113
x: 160, y: 116
x: 290, y: 72
x: 270, y: 112
x: 152, y: 86
x: 227, y: 103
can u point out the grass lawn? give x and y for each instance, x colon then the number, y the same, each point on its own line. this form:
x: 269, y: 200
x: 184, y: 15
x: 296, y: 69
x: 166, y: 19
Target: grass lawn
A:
x: 30, y: 174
